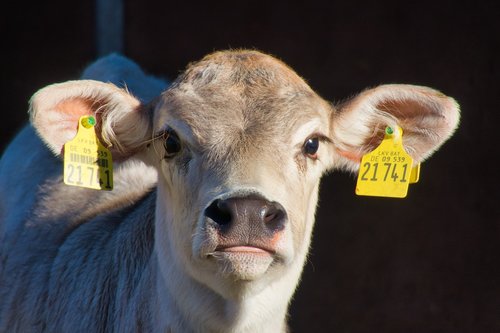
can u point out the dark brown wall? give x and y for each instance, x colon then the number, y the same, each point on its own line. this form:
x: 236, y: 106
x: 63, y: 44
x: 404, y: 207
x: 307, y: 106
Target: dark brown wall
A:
x: 428, y: 263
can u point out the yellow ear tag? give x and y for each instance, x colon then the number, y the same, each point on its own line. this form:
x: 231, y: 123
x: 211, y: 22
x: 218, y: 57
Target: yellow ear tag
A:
x: 87, y: 163
x: 388, y: 170
x: 415, y: 174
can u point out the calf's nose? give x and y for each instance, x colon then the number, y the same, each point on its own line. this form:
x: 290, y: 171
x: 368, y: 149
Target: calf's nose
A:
x: 249, y: 212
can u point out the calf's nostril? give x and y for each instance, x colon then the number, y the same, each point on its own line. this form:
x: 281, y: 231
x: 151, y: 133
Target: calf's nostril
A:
x: 270, y: 214
x: 268, y: 217
x: 274, y: 216
x: 219, y: 212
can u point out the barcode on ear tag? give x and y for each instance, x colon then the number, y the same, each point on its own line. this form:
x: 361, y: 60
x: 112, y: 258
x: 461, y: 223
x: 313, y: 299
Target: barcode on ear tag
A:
x: 87, y: 163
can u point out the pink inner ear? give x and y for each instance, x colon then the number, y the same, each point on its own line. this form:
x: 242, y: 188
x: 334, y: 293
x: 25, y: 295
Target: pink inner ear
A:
x: 408, y: 113
x: 60, y: 123
x: 71, y: 110
x: 426, y: 116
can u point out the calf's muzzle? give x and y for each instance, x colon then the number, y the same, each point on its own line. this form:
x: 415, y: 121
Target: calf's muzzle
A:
x: 246, y: 219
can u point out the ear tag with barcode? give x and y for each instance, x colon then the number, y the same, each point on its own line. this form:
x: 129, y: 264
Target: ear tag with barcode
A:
x: 87, y: 163
x: 388, y: 170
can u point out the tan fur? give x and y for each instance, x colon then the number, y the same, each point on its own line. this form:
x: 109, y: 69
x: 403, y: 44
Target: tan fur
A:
x: 152, y: 255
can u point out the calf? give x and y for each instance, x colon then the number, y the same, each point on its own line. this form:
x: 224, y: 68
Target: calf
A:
x: 216, y: 186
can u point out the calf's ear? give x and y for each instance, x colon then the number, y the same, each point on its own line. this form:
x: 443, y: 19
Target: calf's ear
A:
x: 428, y: 118
x: 123, y: 124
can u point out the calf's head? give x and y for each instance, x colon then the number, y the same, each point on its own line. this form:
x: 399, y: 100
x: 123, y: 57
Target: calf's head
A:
x: 240, y: 143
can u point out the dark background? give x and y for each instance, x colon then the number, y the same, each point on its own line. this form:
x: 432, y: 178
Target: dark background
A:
x: 427, y: 263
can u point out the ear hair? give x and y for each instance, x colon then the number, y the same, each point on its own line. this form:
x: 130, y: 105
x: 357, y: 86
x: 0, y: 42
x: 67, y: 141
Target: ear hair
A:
x: 123, y: 123
x: 428, y: 118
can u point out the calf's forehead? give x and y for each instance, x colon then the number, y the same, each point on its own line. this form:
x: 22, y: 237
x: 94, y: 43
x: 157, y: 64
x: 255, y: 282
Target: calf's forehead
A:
x: 241, y: 92
x: 228, y: 96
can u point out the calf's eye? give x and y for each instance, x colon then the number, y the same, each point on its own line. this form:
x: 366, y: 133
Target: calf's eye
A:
x: 172, y: 143
x: 311, y: 147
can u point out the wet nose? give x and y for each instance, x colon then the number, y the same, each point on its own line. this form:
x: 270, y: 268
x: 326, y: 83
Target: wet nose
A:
x: 253, y: 212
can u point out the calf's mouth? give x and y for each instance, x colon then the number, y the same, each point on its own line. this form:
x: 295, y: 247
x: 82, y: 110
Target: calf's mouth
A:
x: 244, y: 232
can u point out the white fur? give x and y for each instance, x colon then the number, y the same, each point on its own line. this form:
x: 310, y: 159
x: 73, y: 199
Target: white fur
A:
x: 145, y: 257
